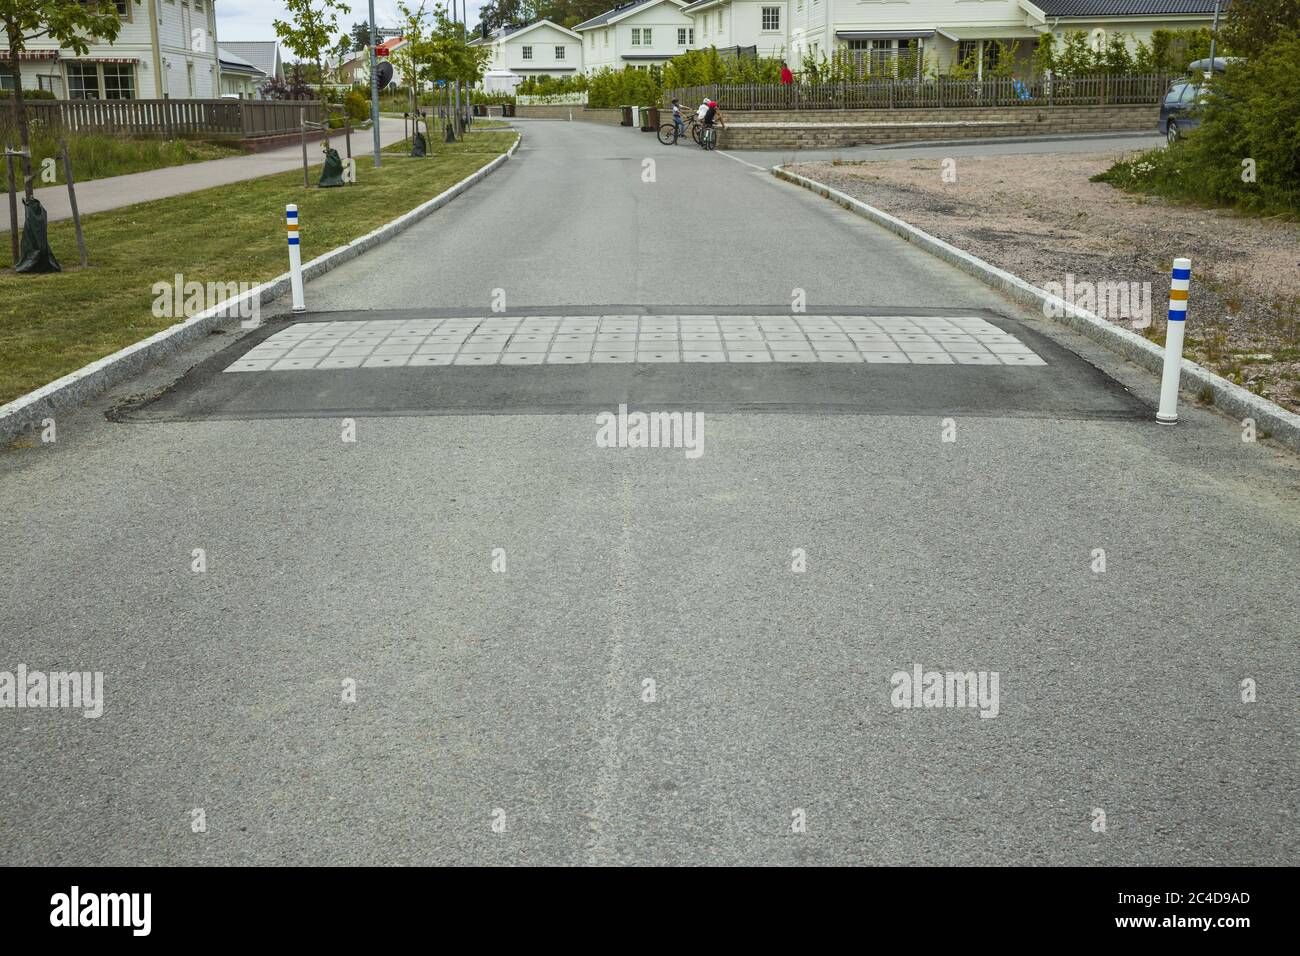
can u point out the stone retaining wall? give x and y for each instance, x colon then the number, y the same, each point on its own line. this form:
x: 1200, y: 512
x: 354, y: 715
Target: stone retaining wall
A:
x: 564, y: 112
x: 814, y: 129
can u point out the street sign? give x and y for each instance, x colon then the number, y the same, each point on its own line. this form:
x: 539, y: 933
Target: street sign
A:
x: 381, y: 50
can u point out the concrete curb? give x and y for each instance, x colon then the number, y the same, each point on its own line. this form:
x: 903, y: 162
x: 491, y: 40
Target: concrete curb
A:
x: 1282, y: 425
x: 25, y: 411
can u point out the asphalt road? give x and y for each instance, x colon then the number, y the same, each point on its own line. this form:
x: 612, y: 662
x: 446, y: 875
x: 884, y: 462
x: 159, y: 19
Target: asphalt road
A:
x: 519, y: 695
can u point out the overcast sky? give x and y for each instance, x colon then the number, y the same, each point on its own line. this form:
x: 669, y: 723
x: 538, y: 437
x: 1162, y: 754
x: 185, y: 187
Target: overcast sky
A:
x: 251, y: 19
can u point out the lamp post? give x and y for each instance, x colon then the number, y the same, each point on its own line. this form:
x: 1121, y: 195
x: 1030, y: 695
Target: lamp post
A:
x: 1214, y: 35
x: 455, y: 123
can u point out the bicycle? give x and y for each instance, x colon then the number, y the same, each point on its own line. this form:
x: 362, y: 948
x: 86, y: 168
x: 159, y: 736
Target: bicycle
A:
x: 668, y: 131
x: 708, y: 138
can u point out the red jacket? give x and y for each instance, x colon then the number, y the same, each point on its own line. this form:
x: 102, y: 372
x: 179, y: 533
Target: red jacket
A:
x: 786, y: 76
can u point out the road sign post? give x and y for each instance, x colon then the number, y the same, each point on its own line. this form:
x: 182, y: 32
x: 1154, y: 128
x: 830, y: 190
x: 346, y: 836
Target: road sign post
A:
x: 374, y: 89
x: 295, y: 257
x: 1174, y: 331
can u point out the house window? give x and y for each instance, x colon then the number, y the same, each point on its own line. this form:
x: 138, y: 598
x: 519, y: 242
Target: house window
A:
x: 48, y: 84
x: 605, y: 38
x: 83, y: 81
x: 559, y: 53
x: 636, y: 36
x: 771, y: 18
x: 123, y: 8
x: 685, y: 36
x: 528, y: 53
x: 119, y: 81
x: 645, y: 36
x: 6, y: 78
x: 967, y: 51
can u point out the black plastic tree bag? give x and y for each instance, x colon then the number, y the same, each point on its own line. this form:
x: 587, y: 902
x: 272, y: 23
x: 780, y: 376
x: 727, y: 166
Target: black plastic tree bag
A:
x: 417, y: 144
x: 332, y: 172
x: 35, y: 254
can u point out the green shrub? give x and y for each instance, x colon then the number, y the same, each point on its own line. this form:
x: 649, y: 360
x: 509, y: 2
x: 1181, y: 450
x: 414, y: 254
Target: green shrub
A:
x: 1251, y: 116
x: 358, y: 106
x: 552, y: 85
x: 625, y: 87
x: 28, y: 94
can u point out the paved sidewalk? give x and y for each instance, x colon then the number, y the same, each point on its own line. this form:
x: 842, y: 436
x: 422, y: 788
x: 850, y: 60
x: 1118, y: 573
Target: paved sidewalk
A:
x: 100, y: 195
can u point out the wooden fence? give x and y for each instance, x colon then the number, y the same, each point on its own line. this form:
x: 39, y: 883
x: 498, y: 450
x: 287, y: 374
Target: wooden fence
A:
x: 933, y: 93
x: 199, y: 119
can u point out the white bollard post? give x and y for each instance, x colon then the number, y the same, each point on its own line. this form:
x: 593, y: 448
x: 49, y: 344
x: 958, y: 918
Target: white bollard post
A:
x: 295, y: 257
x: 1182, y: 280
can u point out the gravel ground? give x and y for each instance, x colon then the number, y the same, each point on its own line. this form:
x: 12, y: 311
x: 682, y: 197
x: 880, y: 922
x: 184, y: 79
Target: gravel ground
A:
x: 1040, y: 218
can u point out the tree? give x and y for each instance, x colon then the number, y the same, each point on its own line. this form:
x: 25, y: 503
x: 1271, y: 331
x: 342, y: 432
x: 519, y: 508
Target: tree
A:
x: 1044, y: 56
x: 293, y: 87
x: 340, y: 55
x: 451, y: 58
x: 503, y: 13
x: 360, y: 34
x: 310, y: 32
x: 1251, y: 25
x: 406, y: 59
x: 71, y: 23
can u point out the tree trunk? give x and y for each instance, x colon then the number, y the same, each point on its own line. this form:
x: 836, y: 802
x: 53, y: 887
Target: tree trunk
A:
x: 20, y: 109
x: 324, y: 104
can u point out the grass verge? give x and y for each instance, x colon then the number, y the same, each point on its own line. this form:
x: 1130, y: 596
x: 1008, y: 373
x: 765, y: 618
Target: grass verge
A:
x: 51, y: 325
x: 99, y: 155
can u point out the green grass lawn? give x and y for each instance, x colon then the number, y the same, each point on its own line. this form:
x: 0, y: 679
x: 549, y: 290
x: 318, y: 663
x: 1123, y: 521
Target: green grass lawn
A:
x: 97, y: 155
x: 51, y: 325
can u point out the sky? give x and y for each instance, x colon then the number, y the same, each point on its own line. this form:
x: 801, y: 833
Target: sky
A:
x: 251, y: 19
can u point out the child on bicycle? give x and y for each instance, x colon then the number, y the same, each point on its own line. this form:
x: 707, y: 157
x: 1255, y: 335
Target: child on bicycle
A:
x: 679, y: 125
x: 712, y: 115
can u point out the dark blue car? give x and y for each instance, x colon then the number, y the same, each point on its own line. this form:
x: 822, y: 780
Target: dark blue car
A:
x: 1181, y: 109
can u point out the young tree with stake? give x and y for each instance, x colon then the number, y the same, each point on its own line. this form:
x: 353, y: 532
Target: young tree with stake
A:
x: 309, y: 34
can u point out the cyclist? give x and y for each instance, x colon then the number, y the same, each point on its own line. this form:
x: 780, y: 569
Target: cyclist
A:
x: 712, y: 115
x: 679, y: 125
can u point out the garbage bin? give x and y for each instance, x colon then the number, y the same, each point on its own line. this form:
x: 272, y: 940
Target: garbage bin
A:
x: 627, y: 116
x: 480, y: 109
x: 509, y: 109
x: 649, y: 119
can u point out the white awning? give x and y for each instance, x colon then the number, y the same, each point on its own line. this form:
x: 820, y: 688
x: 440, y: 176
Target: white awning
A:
x: 991, y: 33
x: 884, y: 34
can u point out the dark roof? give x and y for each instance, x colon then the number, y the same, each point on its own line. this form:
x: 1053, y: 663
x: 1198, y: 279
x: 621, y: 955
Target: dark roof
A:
x: 608, y: 15
x: 1124, y: 8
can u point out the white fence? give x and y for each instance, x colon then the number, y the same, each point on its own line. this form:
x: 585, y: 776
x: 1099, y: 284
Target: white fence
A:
x: 557, y: 99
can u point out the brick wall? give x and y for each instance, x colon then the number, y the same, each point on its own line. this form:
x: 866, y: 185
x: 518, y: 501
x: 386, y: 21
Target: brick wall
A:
x: 830, y: 128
